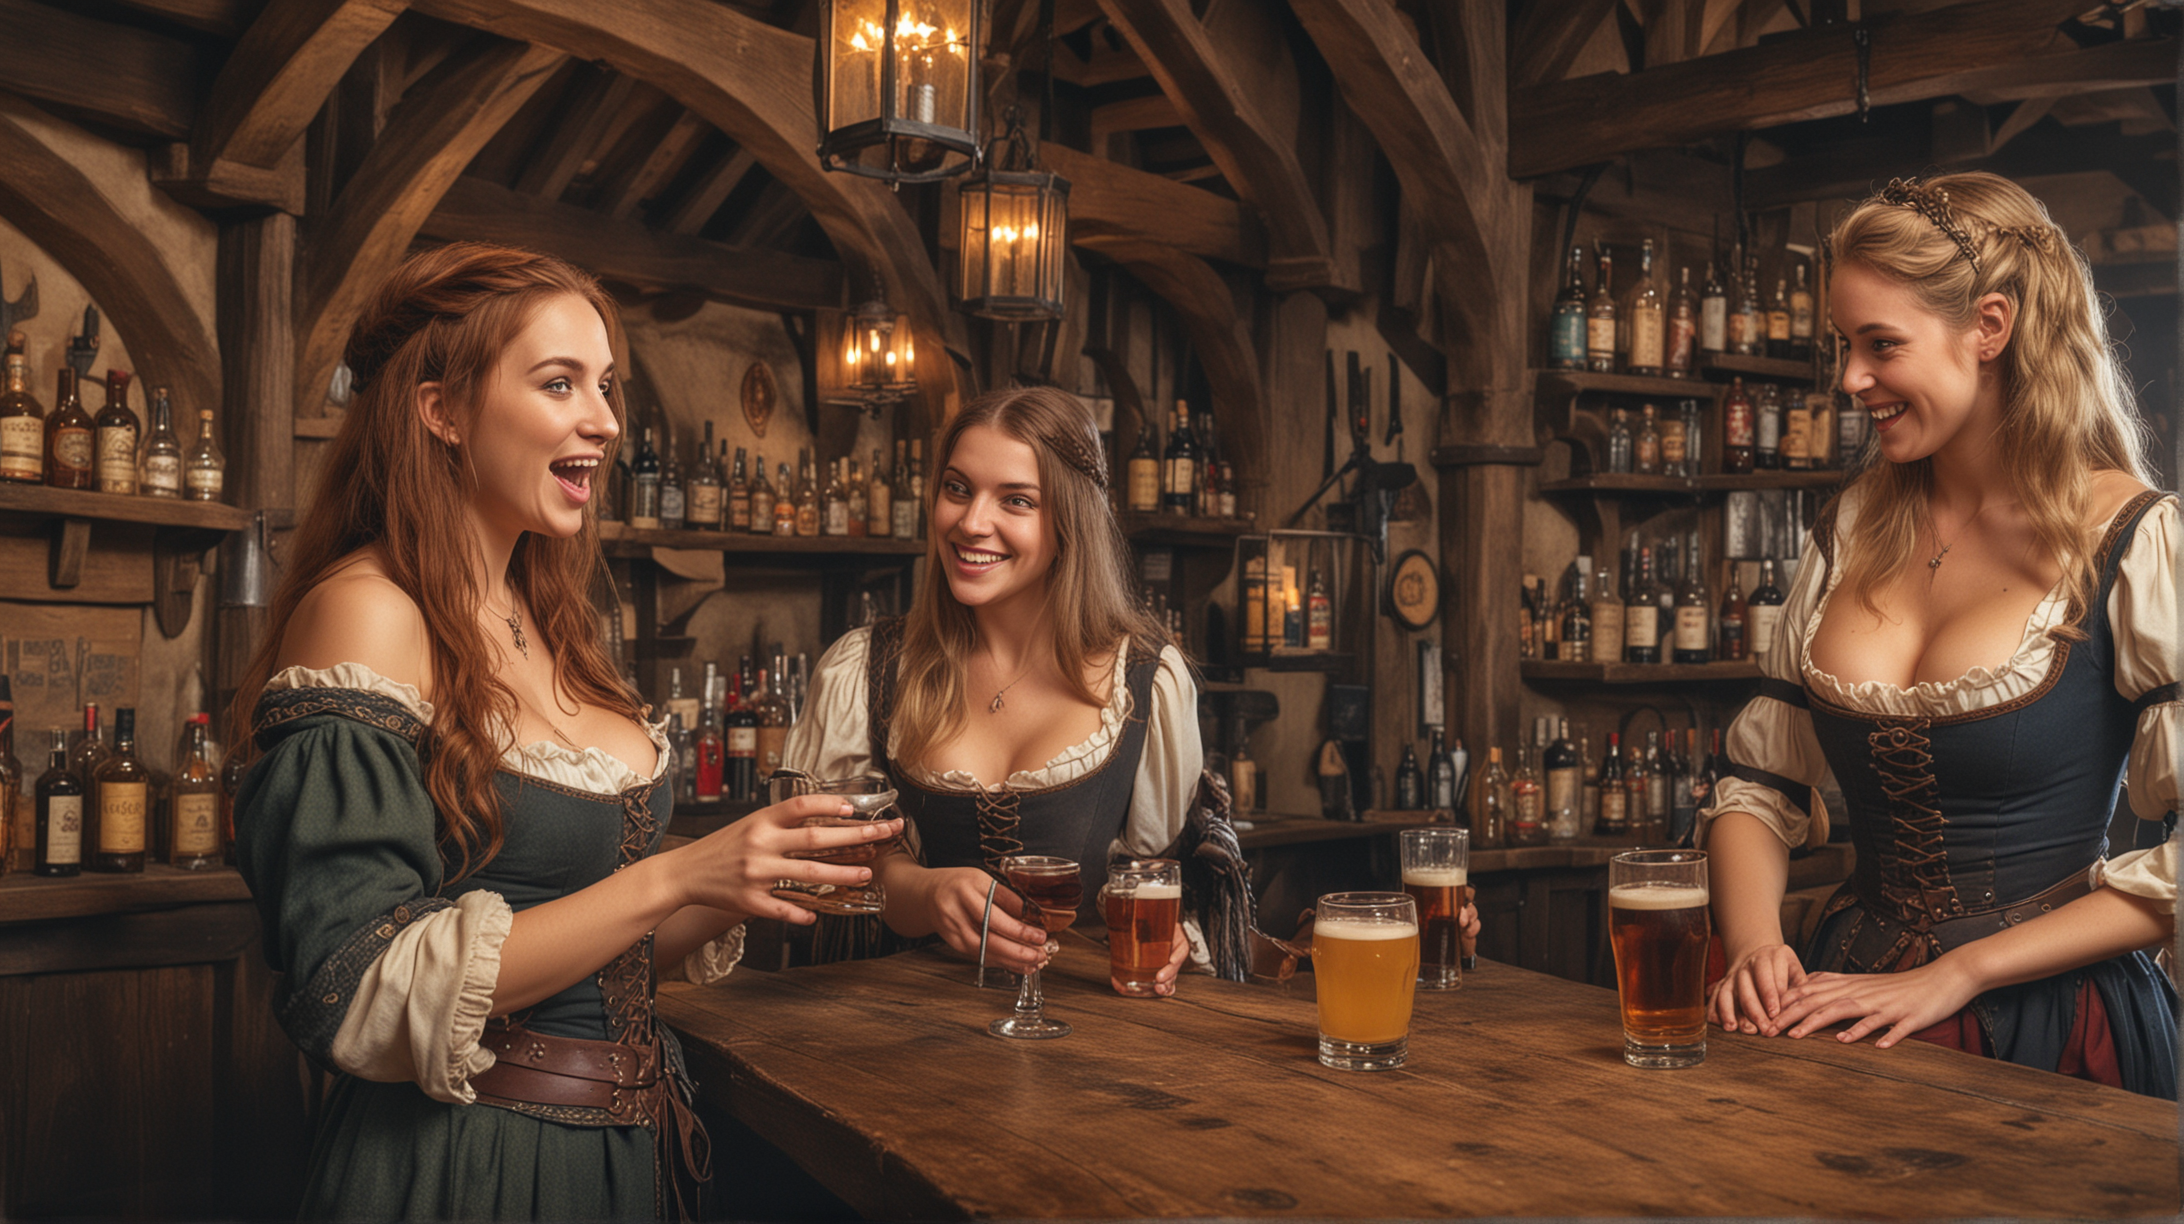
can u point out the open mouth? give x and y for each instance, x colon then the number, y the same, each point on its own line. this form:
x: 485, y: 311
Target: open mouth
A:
x: 1885, y: 414
x: 575, y: 476
x: 975, y: 559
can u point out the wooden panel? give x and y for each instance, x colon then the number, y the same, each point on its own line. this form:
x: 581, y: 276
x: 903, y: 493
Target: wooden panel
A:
x: 59, y: 656
x: 129, y: 77
x: 115, y: 569
x: 1111, y: 200
x: 196, y: 935
x: 1549, y: 35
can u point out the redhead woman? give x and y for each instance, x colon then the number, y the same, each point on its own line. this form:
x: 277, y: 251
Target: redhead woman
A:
x: 453, y: 830
x: 1981, y: 643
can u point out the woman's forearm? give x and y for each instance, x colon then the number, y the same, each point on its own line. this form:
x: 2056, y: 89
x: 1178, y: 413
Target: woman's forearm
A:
x: 1748, y: 869
x: 2092, y: 928
x: 909, y: 910
x: 553, y: 946
x: 688, y: 929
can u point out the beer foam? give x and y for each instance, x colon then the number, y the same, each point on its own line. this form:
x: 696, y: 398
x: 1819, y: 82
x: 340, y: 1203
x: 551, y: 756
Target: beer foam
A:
x: 1363, y: 929
x: 1154, y: 892
x: 1436, y: 877
x: 1657, y: 896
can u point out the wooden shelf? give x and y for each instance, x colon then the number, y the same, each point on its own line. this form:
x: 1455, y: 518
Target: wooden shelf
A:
x: 32, y: 898
x: 1184, y: 531
x: 1638, y: 673
x: 1725, y: 366
x: 699, y: 819
x: 1783, y: 478
x: 1302, y: 661
x: 622, y: 540
x: 1669, y: 486
x: 40, y: 501
x: 1578, y: 382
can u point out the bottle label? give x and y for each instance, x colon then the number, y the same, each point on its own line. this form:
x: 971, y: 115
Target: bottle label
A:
x: 1607, y: 627
x: 1769, y: 430
x: 1562, y: 789
x: 743, y: 741
x: 1600, y: 337
x: 761, y: 515
x: 1144, y: 485
x: 1180, y: 472
x: 807, y: 519
x: 1614, y: 807
x: 22, y: 448
x: 1691, y: 628
x: 1673, y: 442
x: 1529, y: 811
x: 906, y: 520
x: 1731, y: 637
x: 117, y: 459
x: 1649, y: 452
x: 1737, y: 424
x: 1574, y: 649
x: 1714, y: 324
x: 163, y: 472
x: 705, y: 505
x: 1797, y: 433
x: 1642, y: 626
x: 1319, y: 624
x: 1801, y: 316
x: 1740, y: 331
x: 121, y: 817
x: 739, y: 511
x: 196, y: 826
x: 1778, y: 325
x: 672, y: 504
x: 837, y: 518
x: 706, y: 782
x: 1645, y: 339
x: 771, y: 742
x: 1566, y: 339
x: 64, y: 829
x: 1760, y: 620
x: 1681, y: 336
x: 72, y: 449
x: 204, y: 483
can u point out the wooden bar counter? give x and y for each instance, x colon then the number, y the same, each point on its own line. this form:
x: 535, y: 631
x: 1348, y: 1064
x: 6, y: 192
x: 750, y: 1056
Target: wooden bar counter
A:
x: 880, y: 1080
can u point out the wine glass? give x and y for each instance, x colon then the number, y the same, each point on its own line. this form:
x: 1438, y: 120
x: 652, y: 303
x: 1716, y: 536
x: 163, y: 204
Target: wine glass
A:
x: 870, y: 797
x: 1052, y: 890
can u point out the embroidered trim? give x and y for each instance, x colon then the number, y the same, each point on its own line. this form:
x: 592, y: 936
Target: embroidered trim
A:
x: 312, y: 1012
x: 278, y: 709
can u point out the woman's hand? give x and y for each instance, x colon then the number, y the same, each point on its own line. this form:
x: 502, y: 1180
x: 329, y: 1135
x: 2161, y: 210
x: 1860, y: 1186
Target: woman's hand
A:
x: 735, y: 869
x: 1905, y: 1002
x: 953, y: 905
x: 1179, y: 952
x: 1750, y: 998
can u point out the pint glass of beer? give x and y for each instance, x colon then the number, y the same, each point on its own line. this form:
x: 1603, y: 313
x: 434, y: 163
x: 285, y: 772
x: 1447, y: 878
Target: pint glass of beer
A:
x: 1436, y: 864
x: 1365, y: 963
x: 1143, y: 899
x: 1657, y: 922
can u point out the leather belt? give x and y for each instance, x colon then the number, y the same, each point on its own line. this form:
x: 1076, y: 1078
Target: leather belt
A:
x: 1956, y: 932
x: 1877, y: 939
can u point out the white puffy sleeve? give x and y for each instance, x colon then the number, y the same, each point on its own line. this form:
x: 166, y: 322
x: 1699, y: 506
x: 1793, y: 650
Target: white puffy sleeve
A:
x: 1168, y: 769
x: 1774, y: 758
x: 2142, y: 612
x: 834, y: 737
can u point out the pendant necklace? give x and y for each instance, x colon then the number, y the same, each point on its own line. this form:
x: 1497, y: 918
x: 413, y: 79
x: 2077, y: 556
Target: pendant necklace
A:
x: 515, y: 628
x: 1933, y: 563
x: 994, y: 706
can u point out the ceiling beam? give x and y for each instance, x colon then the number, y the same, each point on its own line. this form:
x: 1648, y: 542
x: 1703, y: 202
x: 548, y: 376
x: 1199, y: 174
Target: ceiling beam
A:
x: 598, y: 102
x: 659, y: 165
x: 1807, y: 75
x: 226, y: 18
x: 118, y: 74
x: 1549, y: 36
x: 705, y: 198
x: 1110, y: 200
x: 634, y: 253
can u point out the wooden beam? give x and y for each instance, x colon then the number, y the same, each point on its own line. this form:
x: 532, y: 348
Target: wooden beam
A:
x: 2116, y: 65
x: 1673, y: 31
x: 665, y: 159
x: 1856, y: 168
x: 280, y: 74
x: 633, y: 253
x: 770, y: 220
x: 1549, y: 36
x: 257, y: 276
x: 1107, y: 66
x: 102, y: 243
x: 1110, y: 200
x: 1801, y: 76
x: 2024, y: 115
x: 118, y: 74
x: 1219, y: 336
x: 598, y: 101
x: 1132, y: 115
x: 705, y: 198
x: 431, y: 134
x: 226, y: 18
x: 1216, y: 97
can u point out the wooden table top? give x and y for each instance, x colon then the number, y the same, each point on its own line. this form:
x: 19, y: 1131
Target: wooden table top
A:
x: 879, y: 1078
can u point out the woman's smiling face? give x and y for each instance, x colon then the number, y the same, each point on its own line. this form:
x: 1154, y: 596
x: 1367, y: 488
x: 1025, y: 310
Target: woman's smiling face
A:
x: 996, y: 540
x: 545, y: 423
x: 1917, y: 374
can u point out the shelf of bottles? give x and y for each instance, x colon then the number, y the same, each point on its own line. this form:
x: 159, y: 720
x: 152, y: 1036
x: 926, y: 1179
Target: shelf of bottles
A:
x: 1298, y: 588
x: 1183, y: 531
x: 828, y: 512
x: 621, y: 539
x: 1637, y: 673
x: 1552, y: 792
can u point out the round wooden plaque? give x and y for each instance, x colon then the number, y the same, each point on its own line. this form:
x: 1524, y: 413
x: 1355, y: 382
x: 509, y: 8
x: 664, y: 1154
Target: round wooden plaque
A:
x: 1414, y: 590
x: 759, y: 396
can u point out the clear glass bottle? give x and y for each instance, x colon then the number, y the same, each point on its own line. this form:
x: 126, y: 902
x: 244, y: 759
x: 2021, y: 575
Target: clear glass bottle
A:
x: 1620, y: 443
x: 860, y: 504
x: 773, y: 718
x: 644, y: 509
x: 834, y: 503
x: 1636, y: 785
x: 808, y: 517
x: 1648, y: 319
x: 1527, y: 800
x: 1646, y: 447
x: 1607, y: 617
x: 1767, y: 427
x: 1490, y: 803
x: 1675, y: 444
x: 1694, y: 438
x: 1600, y: 318
x: 204, y: 469
x: 674, y: 502
x: 161, y: 472
x: 785, y: 506
x: 879, y: 500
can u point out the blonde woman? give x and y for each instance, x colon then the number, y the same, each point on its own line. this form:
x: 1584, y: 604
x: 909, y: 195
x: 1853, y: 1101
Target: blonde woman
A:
x: 1981, y: 642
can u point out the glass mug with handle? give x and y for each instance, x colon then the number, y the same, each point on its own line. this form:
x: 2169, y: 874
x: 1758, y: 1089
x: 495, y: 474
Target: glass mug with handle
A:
x: 1659, y: 927
x: 871, y: 797
x: 1142, y: 903
x: 1436, y: 875
x: 1365, y: 968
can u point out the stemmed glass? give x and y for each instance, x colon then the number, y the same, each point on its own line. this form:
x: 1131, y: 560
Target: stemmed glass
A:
x: 1052, y: 889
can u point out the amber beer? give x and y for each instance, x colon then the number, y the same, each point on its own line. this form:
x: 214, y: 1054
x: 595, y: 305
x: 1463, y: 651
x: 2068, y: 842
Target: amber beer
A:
x: 1658, y: 925
x: 1144, y: 900
x: 870, y: 797
x: 1440, y: 894
x: 1365, y: 962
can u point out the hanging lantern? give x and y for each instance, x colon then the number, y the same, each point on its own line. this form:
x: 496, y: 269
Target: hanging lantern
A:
x: 1015, y: 240
x: 879, y: 359
x: 898, y: 97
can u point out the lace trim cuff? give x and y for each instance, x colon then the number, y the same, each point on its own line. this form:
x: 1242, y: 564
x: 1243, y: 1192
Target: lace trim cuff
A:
x: 719, y: 957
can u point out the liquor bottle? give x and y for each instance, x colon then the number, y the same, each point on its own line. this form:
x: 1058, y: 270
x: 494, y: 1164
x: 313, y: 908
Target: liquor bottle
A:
x: 116, y: 441
x: 1577, y: 623
x: 709, y: 750
x: 1694, y: 610
x: 1763, y: 612
x: 1527, y: 800
x: 1694, y: 439
x: 1800, y: 318
x: 1607, y: 618
x: 879, y: 500
x: 807, y: 494
x: 1729, y: 629
x: 1752, y: 331
x: 773, y: 720
x: 917, y: 488
x: 1254, y: 606
x: 784, y: 505
x: 1440, y: 776
x: 1851, y: 427
x: 1646, y: 447
x: 1614, y: 818
x: 1209, y: 469
x: 1227, y: 505
x: 834, y: 504
x: 1657, y: 790
x: 904, y: 502
x: 1588, y: 783
x: 1648, y: 322
x: 1295, y: 633
x: 69, y: 439
x: 1319, y: 617
x: 1179, y: 464
x: 1565, y: 785
x: 644, y: 508
x: 1675, y: 444
x: 58, y: 811
x: 1410, y: 781
x: 1778, y: 320
x: 22, y: 421
x: 739, y: 495
x: 1797, y: 433
x: 740, y: 754
x: 1642, y: 616
x: 1683, y: 329
x: 204, y: 469
x: 1243, y: 779
x: 1637, y: 787
x: 1566, y: 325
x: 704, y: 509
x: 13, y: 819
x: 860, y: 500
x: 1820, y: 436
x: 1620, y: 443
x: 685, y: 706
x: 193, y: 801
x: 1767, y: 427
x: 120, y: 800
x: 1600, y: 319
x: 1713, y: 314
x: 1490, y: 805
x: 90, y: 750
x: 1688, y: 792
x: 1737, y: 429
x: 160, y: 475
x: 762, y: 498
x: 674, y: 498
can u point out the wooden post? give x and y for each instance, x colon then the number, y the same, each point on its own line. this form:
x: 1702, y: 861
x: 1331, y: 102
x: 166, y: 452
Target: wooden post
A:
x: 258, y: 356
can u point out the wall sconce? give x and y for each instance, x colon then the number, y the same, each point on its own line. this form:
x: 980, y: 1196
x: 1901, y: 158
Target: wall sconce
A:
x: 898, y: 96
x: 1015, y: 240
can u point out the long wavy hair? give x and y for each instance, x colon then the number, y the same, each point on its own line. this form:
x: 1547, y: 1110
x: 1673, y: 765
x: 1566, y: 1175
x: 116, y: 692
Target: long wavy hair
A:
x: 1089, y: 589
x: 2067, y: 407
x: 446, y: 316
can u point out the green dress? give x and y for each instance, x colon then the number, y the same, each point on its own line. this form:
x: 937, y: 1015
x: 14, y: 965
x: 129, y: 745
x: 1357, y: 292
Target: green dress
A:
x: 335, y: 834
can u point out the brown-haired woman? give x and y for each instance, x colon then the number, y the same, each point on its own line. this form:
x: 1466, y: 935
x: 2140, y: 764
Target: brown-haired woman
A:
x: 1981, y: 641
x: 1027, y: 703
x: 451, y: 831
